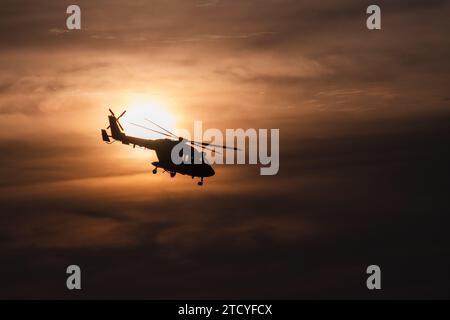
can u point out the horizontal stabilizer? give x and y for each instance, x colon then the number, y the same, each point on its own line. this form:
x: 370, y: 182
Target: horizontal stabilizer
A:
x: 105, y: 136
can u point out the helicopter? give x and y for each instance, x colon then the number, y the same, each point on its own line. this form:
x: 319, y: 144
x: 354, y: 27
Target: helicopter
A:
x: 163, y: 148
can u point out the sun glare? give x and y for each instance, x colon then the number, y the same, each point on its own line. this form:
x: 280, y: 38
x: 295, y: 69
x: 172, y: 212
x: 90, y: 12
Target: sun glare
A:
x: 150, y: 109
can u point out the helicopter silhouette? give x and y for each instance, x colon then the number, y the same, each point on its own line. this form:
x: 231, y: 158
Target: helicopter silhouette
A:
x: 195, y: 163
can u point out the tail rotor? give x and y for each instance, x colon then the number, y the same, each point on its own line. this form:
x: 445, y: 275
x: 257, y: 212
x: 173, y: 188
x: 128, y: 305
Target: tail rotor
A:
x: 117, y: 119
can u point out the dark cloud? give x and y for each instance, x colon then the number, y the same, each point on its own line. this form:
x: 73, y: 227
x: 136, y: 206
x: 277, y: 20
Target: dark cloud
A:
x: 27, y: 162
x: 367, y: 195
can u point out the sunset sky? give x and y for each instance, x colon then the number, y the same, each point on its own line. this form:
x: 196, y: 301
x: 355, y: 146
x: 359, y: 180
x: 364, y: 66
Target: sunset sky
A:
x: 364, y: 125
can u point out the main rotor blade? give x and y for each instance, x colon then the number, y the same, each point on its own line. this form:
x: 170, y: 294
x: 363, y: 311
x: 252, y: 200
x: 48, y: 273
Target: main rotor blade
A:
x: 175, y: 136
x: 138, y: 125
x: 117, y: 121
x: 112, y: 113
x: 203, y: 147
x: 214, y: 145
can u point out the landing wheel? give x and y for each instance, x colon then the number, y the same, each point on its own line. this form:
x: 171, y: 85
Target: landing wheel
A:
x: 172, y: 174
x: 154, y: 171
x: 200, y: 183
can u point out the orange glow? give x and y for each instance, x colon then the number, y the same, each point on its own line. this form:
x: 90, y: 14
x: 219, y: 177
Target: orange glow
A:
x: 147, y: 108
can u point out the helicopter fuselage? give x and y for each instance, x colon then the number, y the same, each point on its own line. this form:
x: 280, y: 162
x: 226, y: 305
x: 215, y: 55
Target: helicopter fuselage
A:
x: 163, y: 149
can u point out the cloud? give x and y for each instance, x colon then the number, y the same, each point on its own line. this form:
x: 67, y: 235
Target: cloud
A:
x: 375, y: 194
x: 207, y: 3
x: 363, y: 178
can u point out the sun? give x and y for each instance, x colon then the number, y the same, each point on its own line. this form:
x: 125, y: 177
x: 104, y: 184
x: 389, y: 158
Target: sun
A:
x: 147, y: 108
